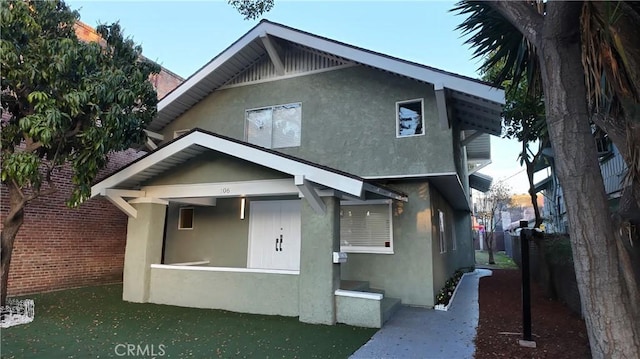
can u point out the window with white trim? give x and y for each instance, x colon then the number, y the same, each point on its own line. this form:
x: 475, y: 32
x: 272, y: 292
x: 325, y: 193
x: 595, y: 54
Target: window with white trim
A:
x: 441, y: 231
x: 366, y: 227
x: 410, y: 118
x: 274, y: 127
x: 185, y: 219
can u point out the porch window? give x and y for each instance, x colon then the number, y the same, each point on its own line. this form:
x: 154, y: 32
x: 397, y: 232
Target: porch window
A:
x: 185, y: 219
x: 410, y: 119
x: 274, y: 127
x: 443, y: 238
x: 366, y: 227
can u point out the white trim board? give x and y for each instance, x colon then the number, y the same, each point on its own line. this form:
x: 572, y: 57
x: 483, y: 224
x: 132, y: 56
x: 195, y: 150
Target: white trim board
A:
x: 224, y: 269
x: 370, y: 58
x: 343, y: 183
x: 356, y: 294
x: 181, y: 98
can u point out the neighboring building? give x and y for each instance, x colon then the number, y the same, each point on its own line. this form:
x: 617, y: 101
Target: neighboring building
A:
x: 287, y: 151
x: 612, y: 167
x: 58, y: 247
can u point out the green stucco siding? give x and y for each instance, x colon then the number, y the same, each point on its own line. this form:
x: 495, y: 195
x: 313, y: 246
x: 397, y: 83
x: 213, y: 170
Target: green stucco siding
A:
x: 319, y: 276
x: 143, y: 248
x: 348, y: 120
x: 406, y: 274
x: 212, y: 167
x: 445, y: 264
x: 259, y: 293
x: 359, y: 312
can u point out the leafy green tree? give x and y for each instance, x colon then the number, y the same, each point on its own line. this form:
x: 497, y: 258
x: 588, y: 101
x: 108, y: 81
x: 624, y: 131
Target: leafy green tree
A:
x: 64, y: 102
x: 523, y: 120
x: 251, y: 9
x: 587, y: 56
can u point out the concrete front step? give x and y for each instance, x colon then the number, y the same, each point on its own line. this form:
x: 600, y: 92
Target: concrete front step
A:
x: 389, y: 307
x: 355, y: 285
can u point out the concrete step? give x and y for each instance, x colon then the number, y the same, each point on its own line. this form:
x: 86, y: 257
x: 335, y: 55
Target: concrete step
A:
x: 355, y: 285
x: 389, y: 307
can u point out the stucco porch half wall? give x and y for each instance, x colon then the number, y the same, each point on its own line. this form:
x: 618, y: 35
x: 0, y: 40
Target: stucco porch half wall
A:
x: 219, y: 223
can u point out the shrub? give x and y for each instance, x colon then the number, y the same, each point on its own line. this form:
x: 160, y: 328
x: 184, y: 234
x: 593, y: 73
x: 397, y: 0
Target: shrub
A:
x: 445, y: 294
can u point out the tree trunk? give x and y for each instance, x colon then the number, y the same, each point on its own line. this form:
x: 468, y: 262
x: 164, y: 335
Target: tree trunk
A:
x: 10, y: 227
x: 611, y: 320
x: 489, y: 242
x: 532, y: 192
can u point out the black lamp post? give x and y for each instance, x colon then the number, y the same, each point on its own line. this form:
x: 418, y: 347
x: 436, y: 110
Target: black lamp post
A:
x: 526, y: 287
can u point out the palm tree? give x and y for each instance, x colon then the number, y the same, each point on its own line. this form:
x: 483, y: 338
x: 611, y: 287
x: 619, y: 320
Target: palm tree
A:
x: 584, y: 58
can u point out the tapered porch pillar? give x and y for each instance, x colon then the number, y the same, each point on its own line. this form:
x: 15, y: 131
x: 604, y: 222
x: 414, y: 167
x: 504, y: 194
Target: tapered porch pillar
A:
x: 319, y: 277
x: 144, y: 247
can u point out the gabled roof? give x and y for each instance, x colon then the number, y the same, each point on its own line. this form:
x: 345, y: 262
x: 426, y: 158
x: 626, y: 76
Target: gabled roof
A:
x: 198, y: 141
x: 477, y: 105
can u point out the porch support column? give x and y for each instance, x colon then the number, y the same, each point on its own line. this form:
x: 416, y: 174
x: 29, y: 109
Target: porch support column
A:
x: 319, y: 277
x: 144, y: 247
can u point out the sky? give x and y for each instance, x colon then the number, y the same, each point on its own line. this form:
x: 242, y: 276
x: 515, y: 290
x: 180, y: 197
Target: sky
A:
x: 183, y: 36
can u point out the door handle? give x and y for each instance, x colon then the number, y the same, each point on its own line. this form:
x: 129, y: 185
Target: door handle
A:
x: 281, y: 243
x: 277, y: 244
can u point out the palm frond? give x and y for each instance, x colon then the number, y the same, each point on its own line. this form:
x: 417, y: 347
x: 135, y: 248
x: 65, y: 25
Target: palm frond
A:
x: 494, y: 38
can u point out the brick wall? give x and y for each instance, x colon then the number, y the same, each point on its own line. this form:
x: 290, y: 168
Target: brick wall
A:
x: 164, y: 81
x: 58, y: 247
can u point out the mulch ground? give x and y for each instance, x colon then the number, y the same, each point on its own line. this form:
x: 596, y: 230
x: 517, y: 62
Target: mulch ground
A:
x: 557, y: 331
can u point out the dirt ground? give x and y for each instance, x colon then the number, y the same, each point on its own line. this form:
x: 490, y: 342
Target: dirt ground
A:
x: 558, y: 333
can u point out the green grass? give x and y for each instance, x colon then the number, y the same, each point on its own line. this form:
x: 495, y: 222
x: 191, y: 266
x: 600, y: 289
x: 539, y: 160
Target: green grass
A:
x: 501, y: 259
x: 90, y: 322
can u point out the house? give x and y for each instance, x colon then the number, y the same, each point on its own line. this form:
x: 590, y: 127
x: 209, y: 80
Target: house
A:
x: 300, y: 176
x: 58, y: 247
x: 612, y: 167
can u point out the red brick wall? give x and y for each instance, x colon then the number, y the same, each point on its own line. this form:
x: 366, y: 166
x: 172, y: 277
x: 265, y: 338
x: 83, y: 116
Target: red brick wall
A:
x: 58, y: 247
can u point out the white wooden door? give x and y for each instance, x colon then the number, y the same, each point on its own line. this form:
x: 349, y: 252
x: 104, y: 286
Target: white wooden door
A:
x: 274, y: 235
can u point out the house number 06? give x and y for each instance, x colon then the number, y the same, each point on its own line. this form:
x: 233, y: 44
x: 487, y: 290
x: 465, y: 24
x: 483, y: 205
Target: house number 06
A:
x: 226, y: 190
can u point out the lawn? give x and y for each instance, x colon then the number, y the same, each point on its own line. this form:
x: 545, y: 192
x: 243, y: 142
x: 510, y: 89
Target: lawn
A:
x: 95, y: 322
x: 502, y: 260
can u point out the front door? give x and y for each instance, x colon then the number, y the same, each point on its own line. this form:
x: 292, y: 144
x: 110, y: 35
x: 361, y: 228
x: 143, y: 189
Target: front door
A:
x: 274, y: 235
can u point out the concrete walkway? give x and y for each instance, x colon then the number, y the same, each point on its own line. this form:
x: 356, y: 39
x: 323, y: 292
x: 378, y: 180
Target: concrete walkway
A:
x: 431, y: 334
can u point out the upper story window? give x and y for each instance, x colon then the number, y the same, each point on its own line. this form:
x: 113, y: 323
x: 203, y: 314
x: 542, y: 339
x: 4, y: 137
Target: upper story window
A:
x: 274, y: 127
x: 410, y: 119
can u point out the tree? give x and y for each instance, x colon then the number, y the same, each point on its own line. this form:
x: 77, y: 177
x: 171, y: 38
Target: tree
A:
x: 489, y: 209
x: 587, y: 55
x: 523, y: 120
x: 251, y: 9
x: 64, y: 103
